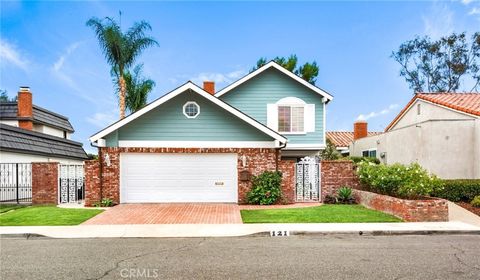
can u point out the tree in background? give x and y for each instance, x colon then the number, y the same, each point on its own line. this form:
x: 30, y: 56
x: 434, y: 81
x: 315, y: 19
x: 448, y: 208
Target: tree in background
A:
x: 441, y: 65
x: 121, y: 49
x: 308, y: 71
x: 4, y: 96
x: 330, y: 152
x: 137, y: 88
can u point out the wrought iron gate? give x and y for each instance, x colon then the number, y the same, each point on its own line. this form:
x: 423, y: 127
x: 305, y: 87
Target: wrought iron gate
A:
x: 307, y: 177
x: 15, y: 182
x: 71, y: 183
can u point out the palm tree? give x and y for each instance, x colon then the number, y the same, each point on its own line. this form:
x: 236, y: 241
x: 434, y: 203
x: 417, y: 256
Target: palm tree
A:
x: 137, y: 88
x: 121, y: 49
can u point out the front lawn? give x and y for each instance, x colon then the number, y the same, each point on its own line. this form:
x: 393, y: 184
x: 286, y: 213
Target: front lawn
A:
x: 46, y: 216
x: 318, y: 214
x: 7, y: 207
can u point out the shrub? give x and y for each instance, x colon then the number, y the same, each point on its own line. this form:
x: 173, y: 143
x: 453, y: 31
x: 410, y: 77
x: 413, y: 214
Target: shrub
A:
x: 364, y: 159
x: 397, y: 180
x: 330, y: 199
x: 476, y: 201
x: 265, y: 188
x: 345, y: 195
x: 106, y: 202
x: 458, y: 190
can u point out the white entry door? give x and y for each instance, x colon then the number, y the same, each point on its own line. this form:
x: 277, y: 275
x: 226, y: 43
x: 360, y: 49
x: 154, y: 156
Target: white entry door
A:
x: 148, y: 177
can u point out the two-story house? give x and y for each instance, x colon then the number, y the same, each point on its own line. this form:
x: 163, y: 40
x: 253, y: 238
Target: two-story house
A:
x: 197, y: 145
x: 30, y: 133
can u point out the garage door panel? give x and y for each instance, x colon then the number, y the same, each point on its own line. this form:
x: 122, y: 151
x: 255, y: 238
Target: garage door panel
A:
x: 178, y: 177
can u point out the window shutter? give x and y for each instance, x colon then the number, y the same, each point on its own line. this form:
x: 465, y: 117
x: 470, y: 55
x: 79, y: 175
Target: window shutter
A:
x: 309, y: 118
x: 272, y: 116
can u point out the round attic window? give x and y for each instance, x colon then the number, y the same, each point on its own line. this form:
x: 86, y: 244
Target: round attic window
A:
x: 191, y: 110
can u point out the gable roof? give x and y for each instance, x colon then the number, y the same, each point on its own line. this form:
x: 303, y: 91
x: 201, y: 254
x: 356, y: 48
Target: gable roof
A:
x: 188, y: 86
x: 344, y: 138
x: 19, y: 140
x: 8, y: 111
x: 468, y: 103
x: 273, y: 64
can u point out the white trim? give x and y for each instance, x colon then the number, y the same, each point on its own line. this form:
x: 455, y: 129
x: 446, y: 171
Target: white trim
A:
x: 281, y: 69
x: 324, y: 124
x: 174, y: 93
x: 291, y: 101
x: 188, y: 103
x: 304, y: 147
x: 198, y: 144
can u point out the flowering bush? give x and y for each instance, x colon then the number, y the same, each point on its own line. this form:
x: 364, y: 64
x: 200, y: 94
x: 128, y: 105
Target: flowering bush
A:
x: 398, y: 180
x: 265, y: 188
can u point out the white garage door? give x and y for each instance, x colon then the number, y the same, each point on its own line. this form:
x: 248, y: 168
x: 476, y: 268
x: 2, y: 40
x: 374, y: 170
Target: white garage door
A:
x: 178, y: 178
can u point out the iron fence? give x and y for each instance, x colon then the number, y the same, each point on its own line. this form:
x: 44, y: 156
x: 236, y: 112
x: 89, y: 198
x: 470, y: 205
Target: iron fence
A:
x: 15, y: 182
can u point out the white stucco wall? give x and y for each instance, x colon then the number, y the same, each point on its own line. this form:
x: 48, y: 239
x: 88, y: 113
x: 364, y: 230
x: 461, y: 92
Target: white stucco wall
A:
x: 9, y: 122
x: 49, y: 130
x: 428, y: 111
x: 9, y: 157
x: 447, y: 148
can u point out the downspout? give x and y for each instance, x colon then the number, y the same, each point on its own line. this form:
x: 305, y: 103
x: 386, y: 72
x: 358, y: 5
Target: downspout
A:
x: 100, y: 170
x: 277, y: 150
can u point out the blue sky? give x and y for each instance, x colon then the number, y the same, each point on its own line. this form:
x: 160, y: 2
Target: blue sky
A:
x: 46, y: 45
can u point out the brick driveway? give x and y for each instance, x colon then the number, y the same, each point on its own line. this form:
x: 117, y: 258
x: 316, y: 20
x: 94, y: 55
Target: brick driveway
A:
x: 169, y: 213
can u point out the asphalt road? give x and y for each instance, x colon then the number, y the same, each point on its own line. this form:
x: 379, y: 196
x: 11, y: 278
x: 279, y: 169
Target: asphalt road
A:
x: 294, y: 257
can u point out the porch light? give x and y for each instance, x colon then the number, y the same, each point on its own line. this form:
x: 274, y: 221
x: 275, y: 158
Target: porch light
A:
x: 244, y: 161
x: 107, y: 160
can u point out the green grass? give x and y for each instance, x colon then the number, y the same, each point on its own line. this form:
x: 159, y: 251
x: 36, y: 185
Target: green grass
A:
x: 319, y: 214
x: 7, y: 207
x: 46, y: 216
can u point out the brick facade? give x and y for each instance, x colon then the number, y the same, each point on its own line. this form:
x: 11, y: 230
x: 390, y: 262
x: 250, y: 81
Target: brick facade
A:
x: 336, y: 174
x: 257, y: 161
x: 427, y: 210
x: 44, y: 182
x: 287, y: 167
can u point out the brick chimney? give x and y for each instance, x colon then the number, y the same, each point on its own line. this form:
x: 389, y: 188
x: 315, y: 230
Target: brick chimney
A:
x: 360, y: 129
x: 209, y: 87
x: 25, y: 108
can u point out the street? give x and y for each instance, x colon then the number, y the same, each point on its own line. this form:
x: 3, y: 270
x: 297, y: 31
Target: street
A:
x: 294, y: 257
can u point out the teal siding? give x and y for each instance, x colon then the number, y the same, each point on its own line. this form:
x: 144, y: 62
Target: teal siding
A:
x: 168, y: 123
x: 268, y: 87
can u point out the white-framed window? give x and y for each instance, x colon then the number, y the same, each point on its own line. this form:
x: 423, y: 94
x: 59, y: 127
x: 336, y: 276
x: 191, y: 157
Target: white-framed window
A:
x: 369, y: 153
x: 291, y: 115
x: 291, y: 119
x: 191, y: 110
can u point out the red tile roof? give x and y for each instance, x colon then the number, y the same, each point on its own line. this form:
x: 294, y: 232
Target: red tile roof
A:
x: 463, y: 102
x: 343, y: 138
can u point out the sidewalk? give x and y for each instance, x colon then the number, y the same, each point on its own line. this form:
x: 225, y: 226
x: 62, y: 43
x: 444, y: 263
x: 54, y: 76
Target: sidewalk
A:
x: 226, y: 230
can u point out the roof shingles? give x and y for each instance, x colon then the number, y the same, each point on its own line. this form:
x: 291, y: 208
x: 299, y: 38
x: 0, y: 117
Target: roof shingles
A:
x: 344, y: 138
x: 31, y: 142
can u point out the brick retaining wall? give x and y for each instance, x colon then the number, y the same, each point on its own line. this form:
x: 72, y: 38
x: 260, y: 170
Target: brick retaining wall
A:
x: 427, y: 210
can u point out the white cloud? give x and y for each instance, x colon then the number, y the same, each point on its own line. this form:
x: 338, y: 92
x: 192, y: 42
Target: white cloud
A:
x: 466, y: 2
x: 218, y: 77
x: 371, y: 115
x: 61, y: 60
x: 102, y: 119
x: 439, y: 22
x: 474, y: 11
x: 11, y: 54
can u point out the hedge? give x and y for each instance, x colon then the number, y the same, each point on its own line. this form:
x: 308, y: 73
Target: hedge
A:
x: 458, y: 190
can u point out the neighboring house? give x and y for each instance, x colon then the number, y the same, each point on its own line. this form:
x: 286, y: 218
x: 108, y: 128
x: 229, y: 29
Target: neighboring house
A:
x: 30, y: 133
x: 195, y: 145
x: 342, y: 139
x: 440, y: 131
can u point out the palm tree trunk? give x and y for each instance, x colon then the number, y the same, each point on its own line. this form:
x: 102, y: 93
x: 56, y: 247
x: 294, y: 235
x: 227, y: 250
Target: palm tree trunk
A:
x: 123, y: 89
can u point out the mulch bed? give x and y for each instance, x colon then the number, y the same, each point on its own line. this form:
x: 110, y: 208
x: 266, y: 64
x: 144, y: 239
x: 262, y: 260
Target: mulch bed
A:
x: 474, y: 210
